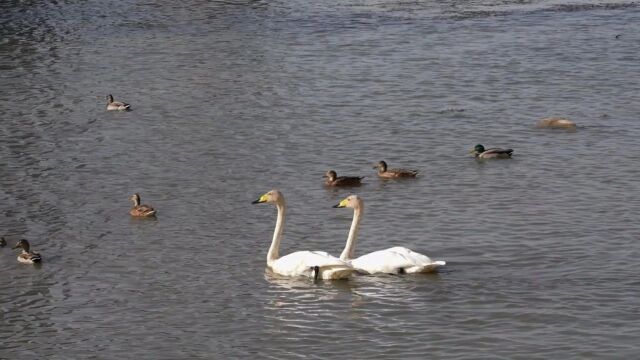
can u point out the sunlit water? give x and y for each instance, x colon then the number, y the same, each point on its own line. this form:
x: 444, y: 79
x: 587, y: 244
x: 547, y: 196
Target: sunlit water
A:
x: 232, y: 99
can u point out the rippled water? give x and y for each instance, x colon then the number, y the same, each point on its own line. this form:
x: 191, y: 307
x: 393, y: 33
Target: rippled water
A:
x: 232, y: 99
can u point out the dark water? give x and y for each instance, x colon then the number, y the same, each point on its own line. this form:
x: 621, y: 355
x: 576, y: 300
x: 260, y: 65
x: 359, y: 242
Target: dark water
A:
x: 232, y: 99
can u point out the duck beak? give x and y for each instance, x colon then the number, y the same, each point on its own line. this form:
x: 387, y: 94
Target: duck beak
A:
x: 17, y: 246
x: 342, y: 204
x: 472, y: 151
x: 325, y: 176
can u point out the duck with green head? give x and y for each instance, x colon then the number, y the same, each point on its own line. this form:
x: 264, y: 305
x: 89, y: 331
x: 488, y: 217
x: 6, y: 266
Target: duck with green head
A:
x: 494, y: 153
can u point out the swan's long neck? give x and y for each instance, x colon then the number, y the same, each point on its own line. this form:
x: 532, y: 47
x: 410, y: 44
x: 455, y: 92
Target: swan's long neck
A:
x: 350, y: 247
x: 274, y: 249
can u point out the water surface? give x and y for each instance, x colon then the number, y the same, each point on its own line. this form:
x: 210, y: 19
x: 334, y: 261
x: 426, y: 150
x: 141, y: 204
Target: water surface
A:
x: 232, y: 99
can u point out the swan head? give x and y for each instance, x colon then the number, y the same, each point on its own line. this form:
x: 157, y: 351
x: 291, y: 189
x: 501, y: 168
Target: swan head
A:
x: 273, y: 196
x: 23, y: 244
x: 381, y: 166
x: 478, y: 149
x: 331, y: 175
x: 351, y: 201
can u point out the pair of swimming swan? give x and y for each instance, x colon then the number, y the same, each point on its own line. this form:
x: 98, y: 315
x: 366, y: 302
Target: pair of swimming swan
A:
x: 319, y: 264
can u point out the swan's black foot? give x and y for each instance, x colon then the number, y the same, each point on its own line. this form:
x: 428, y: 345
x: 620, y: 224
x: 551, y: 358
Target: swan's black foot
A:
x: 316, y: 271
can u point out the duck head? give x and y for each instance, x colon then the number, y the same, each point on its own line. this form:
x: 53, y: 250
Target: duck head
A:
x: 22, y: 244
x: 330, y: 175
x: 135, y: 198
x: 478, y: 149
x: 381, y: 166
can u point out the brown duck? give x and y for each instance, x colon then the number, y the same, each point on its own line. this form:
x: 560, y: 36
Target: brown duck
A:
x: 116, y: 105
x: 332, y: 179
x: 27, y: 256
x: 140, y: 210
x: 386, y: 173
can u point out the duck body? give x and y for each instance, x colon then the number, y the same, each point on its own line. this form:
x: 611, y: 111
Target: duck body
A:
x: 387, y: 173
x: 139, y: 210
x: 332, y: 179
x: 116, y: 105
x: 556, y: 123
x: 494, y: 153
x: 313, y: 264
x: 27, y: 256
x: 395, y: 260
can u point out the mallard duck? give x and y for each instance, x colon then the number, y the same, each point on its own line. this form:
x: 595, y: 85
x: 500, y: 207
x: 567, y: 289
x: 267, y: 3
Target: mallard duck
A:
x: 334, y: 180
x: 116, y: 105
x: 494, y: 153
x: 383, y: 172
x: 556, y: 123
x: 140, y: 210
x: 3, y: 242
x: 27, y: 256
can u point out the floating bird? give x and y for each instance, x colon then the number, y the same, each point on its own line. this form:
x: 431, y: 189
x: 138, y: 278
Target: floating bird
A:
x: 116, y: 105
x: 556, y: 123
x: 314, y: 264
x: 140, y: 210
x: 495, y: 153
x: 334, y: 180
x: 383, y: 172
x: 27, y: 256
x: 395, y: 260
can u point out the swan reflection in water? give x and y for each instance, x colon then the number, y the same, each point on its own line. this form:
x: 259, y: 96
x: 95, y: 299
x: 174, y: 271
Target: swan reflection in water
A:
x: 362, y: 291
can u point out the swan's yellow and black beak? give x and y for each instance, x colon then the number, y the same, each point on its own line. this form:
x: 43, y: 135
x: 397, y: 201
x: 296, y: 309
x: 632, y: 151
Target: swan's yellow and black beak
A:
x: 342, y: 204
x: 262, y: 199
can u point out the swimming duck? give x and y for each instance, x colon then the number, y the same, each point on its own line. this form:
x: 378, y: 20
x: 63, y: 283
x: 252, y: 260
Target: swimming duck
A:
x: 116, y: 105
x: 3, y: 242
x: 383, y: 172
x: 556, y: 123
x: 494, y: 153
x: 334, y: 180
x: 27, y: 256
x: 140, y: 210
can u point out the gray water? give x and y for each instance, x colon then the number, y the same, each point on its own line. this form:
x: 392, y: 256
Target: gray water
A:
x: 232, y: 99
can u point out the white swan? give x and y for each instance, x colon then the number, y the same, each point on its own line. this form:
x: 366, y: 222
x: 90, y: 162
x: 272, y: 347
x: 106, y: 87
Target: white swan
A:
x: 395, y: 260
x: 300, y: 263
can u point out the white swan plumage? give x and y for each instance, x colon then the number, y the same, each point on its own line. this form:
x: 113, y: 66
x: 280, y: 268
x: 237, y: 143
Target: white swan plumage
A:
x: 314, y: 264
x: 395, y: 260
